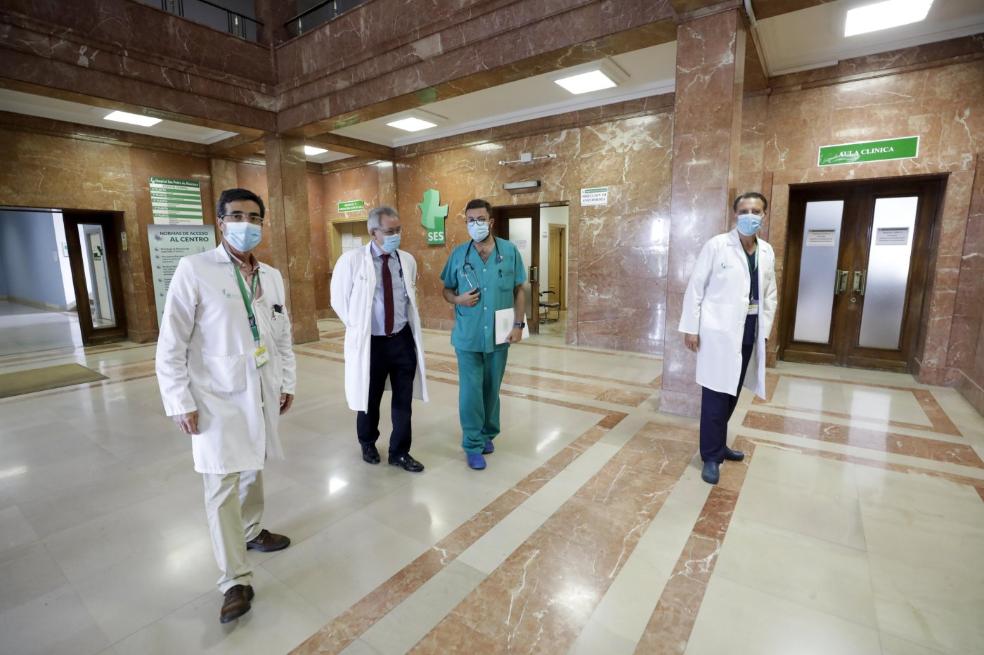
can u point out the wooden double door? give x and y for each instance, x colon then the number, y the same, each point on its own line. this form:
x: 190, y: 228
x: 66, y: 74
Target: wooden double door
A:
x: 857, y: 266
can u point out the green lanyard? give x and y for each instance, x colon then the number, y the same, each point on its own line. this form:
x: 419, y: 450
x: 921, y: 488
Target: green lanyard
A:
x: 247, y: 301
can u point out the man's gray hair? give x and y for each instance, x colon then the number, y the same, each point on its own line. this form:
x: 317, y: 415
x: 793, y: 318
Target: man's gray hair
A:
x: 376, y: 214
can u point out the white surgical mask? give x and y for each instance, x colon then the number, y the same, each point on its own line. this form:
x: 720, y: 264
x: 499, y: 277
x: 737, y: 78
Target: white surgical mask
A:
x: 478, y: 231
x: 243, y: 236
x: 391, y: 242
x: 749, y: 224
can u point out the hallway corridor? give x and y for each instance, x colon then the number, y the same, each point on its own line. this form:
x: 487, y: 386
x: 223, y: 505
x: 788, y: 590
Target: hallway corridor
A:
x: 856, y: 525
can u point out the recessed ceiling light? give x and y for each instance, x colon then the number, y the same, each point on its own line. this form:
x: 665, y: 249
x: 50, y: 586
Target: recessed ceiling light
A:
x: 132, y: 119
x: 412, y: 124
x: 312, y: 151
x: 593, y: 80
x: 883, y: 15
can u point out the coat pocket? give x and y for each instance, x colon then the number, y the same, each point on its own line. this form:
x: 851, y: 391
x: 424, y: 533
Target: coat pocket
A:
x: 226, y: 373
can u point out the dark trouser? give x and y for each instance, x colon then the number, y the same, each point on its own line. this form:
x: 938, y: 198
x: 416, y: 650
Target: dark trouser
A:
x: 716, y: 408
x: 394, y: 357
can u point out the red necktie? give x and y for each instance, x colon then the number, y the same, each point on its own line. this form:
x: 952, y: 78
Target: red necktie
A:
x: 387, y: 295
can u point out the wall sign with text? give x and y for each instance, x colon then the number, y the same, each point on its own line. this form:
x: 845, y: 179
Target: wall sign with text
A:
x: 176, y: 202
x: 865, y: 151
x: 351, y: 206
x: 168, y: 244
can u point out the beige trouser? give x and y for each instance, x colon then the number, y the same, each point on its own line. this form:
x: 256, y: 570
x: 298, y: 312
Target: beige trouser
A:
x: 234, y: 507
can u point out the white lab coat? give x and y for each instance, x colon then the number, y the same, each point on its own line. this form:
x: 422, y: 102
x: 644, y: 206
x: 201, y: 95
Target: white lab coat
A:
x: 353, y: 285
x: 205, y: 362
x: 715, y: 307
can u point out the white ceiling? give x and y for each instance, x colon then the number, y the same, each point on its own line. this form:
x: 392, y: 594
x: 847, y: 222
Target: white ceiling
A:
x: 801, y: 40
x: 74, y: 112
x: 326, y: 157
x: 650, y: 72
x: 814, y: 37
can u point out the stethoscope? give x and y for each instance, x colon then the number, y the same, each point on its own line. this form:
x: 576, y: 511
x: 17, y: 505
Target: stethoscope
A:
x: 468, y: 265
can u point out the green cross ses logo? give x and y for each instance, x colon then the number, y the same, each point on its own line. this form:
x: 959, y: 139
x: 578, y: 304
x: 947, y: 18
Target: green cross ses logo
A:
x: 432, y: 215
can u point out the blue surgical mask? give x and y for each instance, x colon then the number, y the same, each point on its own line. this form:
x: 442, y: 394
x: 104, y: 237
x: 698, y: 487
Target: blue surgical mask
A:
x: 478, y: 231
x: 391, y: 242
x: 243, y: 236
x: 749, y: 224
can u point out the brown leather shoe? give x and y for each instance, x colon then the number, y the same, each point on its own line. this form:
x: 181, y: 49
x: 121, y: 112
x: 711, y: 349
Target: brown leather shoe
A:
x: 267, y: 542
x: 236, y: 603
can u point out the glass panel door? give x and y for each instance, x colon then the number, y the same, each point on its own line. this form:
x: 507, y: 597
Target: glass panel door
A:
x: 884, y: 284
x: 818, y: 271
x: 97, y: 275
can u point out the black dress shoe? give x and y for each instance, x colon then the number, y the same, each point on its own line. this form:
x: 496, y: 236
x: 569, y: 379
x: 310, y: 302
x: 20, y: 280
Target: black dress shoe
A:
x: 369, y: 453
x: 236, y: 603
x: 733, y: 455
x: 711, y: 472
x: 407, y: 463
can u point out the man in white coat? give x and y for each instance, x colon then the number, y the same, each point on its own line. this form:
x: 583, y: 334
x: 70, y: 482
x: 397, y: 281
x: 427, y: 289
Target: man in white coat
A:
x: 727, y: 316
x: 373, y: 291
x: 226, y: 371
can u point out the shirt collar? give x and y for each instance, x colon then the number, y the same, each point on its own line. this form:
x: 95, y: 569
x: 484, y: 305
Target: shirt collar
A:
x: 375, y: 249
x: 249, y: 265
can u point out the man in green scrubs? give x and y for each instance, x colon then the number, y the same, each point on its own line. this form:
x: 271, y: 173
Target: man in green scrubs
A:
x: 481, y: 276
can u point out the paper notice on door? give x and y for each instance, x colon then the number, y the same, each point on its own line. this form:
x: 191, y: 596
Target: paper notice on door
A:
x: 820, y: 237
x: 504, y: 319
x: 892, y: 236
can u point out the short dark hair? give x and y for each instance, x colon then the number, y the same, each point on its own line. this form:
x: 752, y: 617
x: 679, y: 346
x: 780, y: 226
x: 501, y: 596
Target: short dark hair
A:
x: 232, y: 195
x: 750, y: 194
x: 478, y: 203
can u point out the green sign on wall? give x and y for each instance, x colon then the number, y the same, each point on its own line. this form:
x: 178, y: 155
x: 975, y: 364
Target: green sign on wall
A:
x: 865, y: 151
x: 176, y: 202
x: 351, y: 206
x: 432, y: 215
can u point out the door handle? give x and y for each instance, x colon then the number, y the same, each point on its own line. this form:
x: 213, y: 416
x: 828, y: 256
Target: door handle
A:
x: 841, y: 285
x: 860, y: 281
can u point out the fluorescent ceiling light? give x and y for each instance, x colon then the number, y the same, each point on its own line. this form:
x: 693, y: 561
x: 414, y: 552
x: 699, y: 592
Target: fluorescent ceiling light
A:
x: 593, y: 80
x: 412, y: 124
x: 133, y: 119
x: 883, y: 15
x: 312, y: 151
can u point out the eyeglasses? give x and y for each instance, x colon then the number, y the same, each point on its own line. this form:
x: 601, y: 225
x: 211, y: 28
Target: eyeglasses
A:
x: 390, y: 231
x: 239, y: 217
x: 477, y: 221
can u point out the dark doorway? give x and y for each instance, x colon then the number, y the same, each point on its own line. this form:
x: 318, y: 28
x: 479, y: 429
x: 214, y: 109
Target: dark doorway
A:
x: 857, y: 265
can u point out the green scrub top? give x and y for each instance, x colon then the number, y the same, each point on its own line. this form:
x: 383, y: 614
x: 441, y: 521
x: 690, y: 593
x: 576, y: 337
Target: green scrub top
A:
x: 474, y: 327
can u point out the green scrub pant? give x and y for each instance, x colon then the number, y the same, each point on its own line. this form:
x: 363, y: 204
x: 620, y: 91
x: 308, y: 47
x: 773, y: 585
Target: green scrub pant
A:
x: 479, y: 378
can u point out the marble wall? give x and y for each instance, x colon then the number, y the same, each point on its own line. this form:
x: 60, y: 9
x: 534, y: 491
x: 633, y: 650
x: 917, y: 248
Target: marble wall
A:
x: 940, y: 104
x: 965, y: 358
x: 617, y: 253
x: 48, y: 171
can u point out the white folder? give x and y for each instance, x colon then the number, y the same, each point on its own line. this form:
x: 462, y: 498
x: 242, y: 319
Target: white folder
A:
x: 504, y: 319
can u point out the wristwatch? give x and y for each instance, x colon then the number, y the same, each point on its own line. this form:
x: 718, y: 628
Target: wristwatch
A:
x: 519, y: 325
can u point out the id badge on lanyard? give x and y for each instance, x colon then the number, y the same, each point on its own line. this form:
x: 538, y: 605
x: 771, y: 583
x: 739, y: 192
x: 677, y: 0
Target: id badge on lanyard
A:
x: 260, y: 354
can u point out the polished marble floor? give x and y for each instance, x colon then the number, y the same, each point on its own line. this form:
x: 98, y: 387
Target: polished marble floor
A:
x: 25, y: 329
x: 855, y: 525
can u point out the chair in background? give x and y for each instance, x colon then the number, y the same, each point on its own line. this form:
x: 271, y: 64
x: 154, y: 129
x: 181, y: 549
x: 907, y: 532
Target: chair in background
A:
x: 549, y: 305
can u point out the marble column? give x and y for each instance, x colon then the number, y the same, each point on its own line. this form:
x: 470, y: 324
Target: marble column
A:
x: 706, y: 145
x: 274, y: 14
x: 289, y: 230
x: 224, y: 176
x: 387, y: 183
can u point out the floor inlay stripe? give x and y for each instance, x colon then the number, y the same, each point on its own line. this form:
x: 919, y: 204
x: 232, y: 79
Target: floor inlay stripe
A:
x: 539, y: 598
x: 932, y: 449
x: 672, y: 622
x: 348, y: 626
x: 873, y: 463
